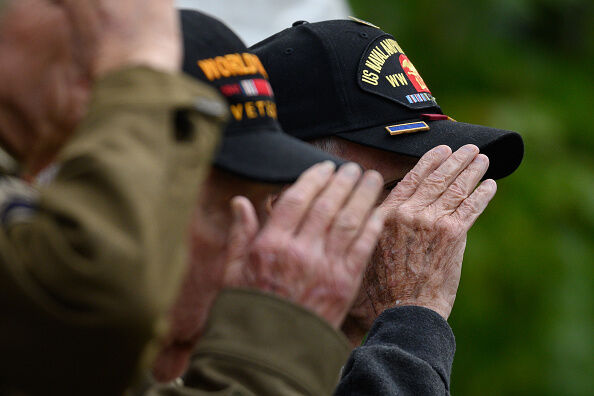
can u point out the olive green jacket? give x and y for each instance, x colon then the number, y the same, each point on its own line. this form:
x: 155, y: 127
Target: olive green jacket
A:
x: 256, y: 344
x: 90, y: 264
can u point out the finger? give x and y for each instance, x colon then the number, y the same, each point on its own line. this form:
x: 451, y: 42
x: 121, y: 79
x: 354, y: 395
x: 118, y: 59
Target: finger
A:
x: 293, y: 204
x: 437, y: 182
x: 362, y: 247
x: 471, y: 208
x: 426, y: 165
x: 464, y: 184
x: 353, y: 217
x: 329, y: 202
x: 242, y: 232
x: 243, y: 228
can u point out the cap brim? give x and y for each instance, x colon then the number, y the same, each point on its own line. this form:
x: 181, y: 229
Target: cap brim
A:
x: 268, y: 156
x: 505, y: 149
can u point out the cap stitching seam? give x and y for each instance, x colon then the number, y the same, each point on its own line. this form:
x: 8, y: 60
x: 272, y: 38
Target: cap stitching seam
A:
x: 329, y: 45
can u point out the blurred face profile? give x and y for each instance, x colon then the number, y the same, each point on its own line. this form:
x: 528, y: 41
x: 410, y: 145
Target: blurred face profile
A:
x: 200, y: 285
x: 209, y: 232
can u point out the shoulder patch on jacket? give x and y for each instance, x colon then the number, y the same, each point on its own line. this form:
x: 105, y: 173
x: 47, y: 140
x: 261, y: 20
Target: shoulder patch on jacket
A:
x: 18, y: 201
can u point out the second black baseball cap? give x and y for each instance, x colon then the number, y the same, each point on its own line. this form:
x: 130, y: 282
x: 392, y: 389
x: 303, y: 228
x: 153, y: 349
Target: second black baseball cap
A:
x: 350, y: 79
x: 253, y: 145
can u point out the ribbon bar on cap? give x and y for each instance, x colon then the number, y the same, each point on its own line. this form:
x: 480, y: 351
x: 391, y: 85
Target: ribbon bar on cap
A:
x: 409, y: 127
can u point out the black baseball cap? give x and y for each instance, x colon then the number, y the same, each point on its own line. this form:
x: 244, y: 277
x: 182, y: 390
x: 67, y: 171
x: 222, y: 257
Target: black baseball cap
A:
x: 350, y: 79
x: 253, y: 145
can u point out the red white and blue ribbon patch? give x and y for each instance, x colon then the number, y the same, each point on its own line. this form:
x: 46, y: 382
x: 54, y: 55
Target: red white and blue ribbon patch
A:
x: 251, y: 87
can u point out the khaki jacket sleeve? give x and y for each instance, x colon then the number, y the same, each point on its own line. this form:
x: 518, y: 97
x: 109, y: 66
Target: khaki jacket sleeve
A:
x: 257, y: 344
x: 86, y: 280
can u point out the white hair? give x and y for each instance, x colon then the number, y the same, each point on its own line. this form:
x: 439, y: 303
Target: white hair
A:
x: 330, y: 144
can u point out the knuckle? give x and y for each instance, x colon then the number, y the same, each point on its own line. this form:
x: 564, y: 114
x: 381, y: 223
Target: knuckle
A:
x: 404, y: 209
x: 295, y: 198
x: 457, y: 191
x: 403, y: 216
x: 429, y: 159
x: 434, y: 156
x: 406, y: 184
x: 413, y: 179
x: 474, y: 206
x: 448, y: 228
x: 424, y: 221
x: 408, y: 218
x: 460, y: 158
x: 377, y: 226
x: 363, y: 244
x: 470, y: 205
x: 323, y: 207
x: 298, y: 254
x: 443, y: 227
x: 348, y: 222
x: 436, y: 180
x: 264, y: 246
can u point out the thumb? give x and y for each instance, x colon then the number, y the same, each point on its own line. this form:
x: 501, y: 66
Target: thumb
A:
x: 242, y: 232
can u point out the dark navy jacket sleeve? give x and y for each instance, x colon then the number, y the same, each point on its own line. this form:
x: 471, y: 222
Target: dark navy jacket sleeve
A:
x: 409, y: 351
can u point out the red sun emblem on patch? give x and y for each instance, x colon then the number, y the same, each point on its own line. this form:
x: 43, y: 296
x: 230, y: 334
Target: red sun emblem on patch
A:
x: 413, y: 74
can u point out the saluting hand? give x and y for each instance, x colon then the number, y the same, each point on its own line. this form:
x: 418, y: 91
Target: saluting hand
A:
x: 418, y: 260
x: 111, y: 34
x: 314, y: 247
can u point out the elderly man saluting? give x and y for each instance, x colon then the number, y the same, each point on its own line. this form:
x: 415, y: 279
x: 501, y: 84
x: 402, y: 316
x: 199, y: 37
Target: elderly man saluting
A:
x: 348, y: 87
x: 287, y: 284
x: 90, y: 264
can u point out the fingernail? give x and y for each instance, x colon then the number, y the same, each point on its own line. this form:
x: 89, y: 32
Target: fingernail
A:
x: 327, y: 167
x: 492, y: 182
x: 351, y: 170
x: 442, y: 151
x: 470, y: 148
x: 373, y: 179
x: 481, y: 159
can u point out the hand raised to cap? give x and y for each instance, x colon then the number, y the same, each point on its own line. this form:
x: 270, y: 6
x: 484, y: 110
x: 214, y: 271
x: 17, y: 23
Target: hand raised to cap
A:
x: 418, y: 260
x: 112, y: 34
x: 314, y: 247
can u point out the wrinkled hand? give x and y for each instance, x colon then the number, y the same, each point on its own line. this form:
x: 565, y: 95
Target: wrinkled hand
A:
x: 112, y: 34
x: 314, y: 247
x: 418, y: 260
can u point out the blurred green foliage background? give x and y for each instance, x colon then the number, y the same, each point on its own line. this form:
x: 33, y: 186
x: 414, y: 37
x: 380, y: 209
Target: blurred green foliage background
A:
x: 524, y: 315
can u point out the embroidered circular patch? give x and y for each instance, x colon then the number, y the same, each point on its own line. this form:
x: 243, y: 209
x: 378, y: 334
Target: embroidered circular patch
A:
x: 386, y: 71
